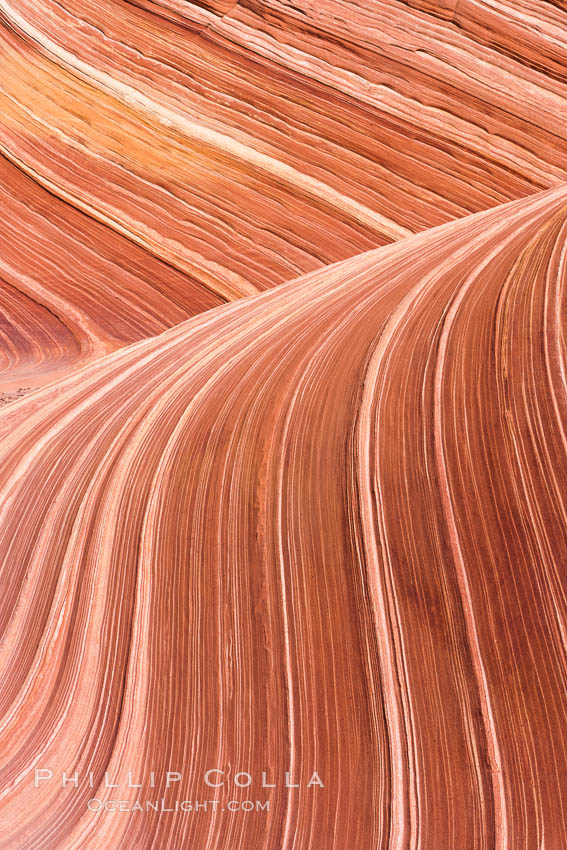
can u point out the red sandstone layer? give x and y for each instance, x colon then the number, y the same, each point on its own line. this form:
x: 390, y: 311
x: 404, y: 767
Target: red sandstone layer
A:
x: 319, y: 529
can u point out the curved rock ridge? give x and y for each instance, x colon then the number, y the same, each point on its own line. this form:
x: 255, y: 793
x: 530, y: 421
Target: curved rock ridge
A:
x: 224, y: 147
x: 320, y: 529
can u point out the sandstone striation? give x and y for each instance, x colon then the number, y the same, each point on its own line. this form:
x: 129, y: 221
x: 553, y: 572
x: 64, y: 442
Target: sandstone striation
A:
x: 316, y: 529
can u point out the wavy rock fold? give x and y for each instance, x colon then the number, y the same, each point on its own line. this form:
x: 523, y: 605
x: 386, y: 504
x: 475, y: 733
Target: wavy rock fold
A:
x: 207, y: 561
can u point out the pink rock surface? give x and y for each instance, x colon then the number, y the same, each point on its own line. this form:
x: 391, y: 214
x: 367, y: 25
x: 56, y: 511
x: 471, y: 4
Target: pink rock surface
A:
x: 243, y: 144
x: 318, y: 529
x: 283, y: 424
